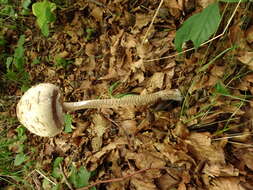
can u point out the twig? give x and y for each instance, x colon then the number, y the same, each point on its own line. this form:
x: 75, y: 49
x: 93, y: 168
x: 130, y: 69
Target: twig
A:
x: 45, y: 177
x: 242, y: 144
x: 233, y: 136
x: 117, y: 179
x: 214, y: 38
x: 152, y: 22
x: 65, y: 178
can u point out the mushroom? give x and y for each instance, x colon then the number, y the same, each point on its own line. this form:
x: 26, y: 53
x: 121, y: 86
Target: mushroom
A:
x: 41, y: 109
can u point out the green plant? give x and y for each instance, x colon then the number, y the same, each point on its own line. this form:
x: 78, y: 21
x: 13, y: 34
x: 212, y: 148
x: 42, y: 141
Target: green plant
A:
x: 44, y: 13
x: 67, y: 123
x: 15, y: 66
x: 25, y: 7
x: 201, y: 26
x: 61, y: 62
x: 113, y: 87
x: 89, y: 34
x: 14, y: 162
x: 78, y: 177
x: 7, y: 9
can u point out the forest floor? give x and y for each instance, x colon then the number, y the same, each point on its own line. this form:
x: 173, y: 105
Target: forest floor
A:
x: 112, y: 48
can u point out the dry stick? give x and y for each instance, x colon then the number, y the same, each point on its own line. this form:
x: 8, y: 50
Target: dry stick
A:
x: 117, y: 179
x: 176, y: 54
x: 45, y: 177
x: 233, y: 136
x: 241, y: 144
x: 152, y: 22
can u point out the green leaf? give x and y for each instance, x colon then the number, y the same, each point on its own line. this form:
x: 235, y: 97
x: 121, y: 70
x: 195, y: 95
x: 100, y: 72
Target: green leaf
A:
x: 2, y: 41
x: 221, y: 89
x: 8, y: 10
x: 79, y: 178
x: 199, y: 27
x: 19, y: 159
x: 44, y: 13
x: 57, y: 187
x: 35, y: 61
x: 26, y: 4
x: 8, y: 63
x: 113, y: 87
x: 56, y: 167
x: 61, y: 62
x: 4, y: 2
x: 19, y: 54
x: 68, y: 123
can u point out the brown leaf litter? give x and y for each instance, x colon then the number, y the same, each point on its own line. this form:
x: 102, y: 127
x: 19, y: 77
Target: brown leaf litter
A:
x: 169, y: 145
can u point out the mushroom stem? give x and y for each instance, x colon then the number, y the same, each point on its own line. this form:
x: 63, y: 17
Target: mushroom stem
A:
x: 127, y: 100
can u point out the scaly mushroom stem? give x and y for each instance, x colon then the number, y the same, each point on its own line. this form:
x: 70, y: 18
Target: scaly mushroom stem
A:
x: 127, y: 100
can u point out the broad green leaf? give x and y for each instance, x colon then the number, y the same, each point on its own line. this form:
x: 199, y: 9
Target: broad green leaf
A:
x: 221, y: 89
x: 44, y: 13
x: 56, y: 167
x: 68, y: 123
x: 79, y: 178
x: 199, y: 27
x: 19, y: 159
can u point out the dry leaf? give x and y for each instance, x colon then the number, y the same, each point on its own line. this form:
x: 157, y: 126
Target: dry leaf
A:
x: 97, y: 13
x: 142, y: 20
x: 205, y: 3
x: 218, y: 70
x: 146, y: 160
x: 246, y: 156
x: 230, y: 183
x: 201, y: 147
x: 96, y: 159
x: 173, y: 155
x: 100, y: 125
x: 220, y: 170
x: 249, y: 34
x: 246, y: 58
x: 156, y: 81
x: 142, y: 184
x: 166, y: 182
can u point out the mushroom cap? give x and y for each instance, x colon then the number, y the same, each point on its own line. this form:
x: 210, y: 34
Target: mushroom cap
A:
x: 40, y: 110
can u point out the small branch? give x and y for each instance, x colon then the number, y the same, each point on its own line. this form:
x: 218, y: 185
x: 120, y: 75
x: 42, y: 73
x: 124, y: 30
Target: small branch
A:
x: 152, y: 22
x: 117, y: 179
x: 39, y: 172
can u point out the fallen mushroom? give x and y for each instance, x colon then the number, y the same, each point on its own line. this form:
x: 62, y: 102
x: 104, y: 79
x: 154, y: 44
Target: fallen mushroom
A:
x: 41, y: 109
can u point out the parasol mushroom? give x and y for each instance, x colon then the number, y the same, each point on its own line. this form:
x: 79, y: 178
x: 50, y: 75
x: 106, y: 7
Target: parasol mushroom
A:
x: 41, y: 109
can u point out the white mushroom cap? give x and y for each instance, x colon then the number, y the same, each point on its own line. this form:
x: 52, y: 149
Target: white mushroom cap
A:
x: 40, y: 110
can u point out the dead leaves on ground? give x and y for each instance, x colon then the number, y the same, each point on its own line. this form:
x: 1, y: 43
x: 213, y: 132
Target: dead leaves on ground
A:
x: 104, y: 42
